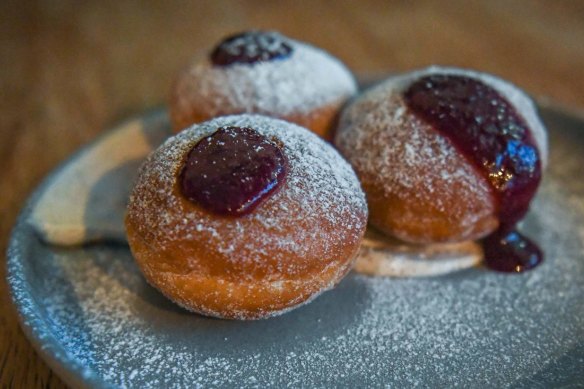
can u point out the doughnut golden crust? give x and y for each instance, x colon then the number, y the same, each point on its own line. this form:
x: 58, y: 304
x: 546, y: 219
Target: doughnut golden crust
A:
x: 419, y: 187
x: 308, y: 88
x: 299, y: 242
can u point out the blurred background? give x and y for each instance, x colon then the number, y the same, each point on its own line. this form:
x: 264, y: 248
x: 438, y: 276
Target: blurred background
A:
x: 71, y: 69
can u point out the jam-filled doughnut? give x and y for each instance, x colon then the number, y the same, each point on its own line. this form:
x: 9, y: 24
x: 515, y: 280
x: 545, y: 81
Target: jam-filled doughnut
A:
x: 267, y: 73
x: 445, y: 155
x: 245, y: 217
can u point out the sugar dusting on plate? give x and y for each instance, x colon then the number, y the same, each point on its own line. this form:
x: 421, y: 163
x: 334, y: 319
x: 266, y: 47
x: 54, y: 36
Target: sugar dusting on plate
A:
x: 474, y: 328
x: 93, y: 314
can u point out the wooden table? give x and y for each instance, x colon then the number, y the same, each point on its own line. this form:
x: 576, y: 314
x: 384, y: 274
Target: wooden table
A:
x: 68, y: 70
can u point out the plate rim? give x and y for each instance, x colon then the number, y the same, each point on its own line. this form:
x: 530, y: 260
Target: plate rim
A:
x: 71, y: 371
x: 32, y: 323
x: 45, y: 343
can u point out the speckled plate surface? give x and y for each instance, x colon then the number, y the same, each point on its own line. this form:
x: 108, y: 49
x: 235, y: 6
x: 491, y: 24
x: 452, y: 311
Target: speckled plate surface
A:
x: 97, y: 323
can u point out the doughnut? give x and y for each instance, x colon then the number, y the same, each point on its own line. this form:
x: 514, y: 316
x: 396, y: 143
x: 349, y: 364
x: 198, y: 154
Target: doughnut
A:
x: 446, y: 155
x: 245, y: 217
x: 267, y: 73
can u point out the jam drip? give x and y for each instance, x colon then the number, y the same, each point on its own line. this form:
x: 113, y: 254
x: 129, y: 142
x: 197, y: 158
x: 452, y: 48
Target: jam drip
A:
x: 232, y: 171
x: 488, y: 131
x: 250, y: 47
x: 510, y: 252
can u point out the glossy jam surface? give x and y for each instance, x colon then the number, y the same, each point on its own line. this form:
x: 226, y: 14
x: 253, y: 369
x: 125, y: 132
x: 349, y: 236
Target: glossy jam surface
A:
x: 232, y: 171
x: 511, y: 252
x: 250, y: 47
x: 488, y: 131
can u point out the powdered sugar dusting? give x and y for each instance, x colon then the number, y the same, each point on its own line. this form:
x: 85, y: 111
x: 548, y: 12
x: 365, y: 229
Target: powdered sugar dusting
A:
x: 393, y: 150
x: 475, y: 328
x: 523, y: 104
x: 92, y: 312
x: 308, y: 79
x: 319, y: 208
x: 403, y: 158
x: 320, y: 184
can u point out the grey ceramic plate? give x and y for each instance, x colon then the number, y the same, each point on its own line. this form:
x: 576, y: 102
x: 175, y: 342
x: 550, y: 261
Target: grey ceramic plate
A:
x: 97, y: 323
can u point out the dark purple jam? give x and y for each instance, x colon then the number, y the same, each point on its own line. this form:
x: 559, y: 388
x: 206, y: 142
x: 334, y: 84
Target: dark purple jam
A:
x: 510, y: 252
x: 233, y: 170
x: 250, y: 47
x: 485, y: 128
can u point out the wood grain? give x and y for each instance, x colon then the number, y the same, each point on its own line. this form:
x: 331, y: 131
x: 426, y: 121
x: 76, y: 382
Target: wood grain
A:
x: 68, y: 70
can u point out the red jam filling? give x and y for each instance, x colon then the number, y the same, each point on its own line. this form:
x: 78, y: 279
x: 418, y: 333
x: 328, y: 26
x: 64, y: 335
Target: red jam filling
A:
x: 250, y: 47
x: 233, y: 171
x: 488, y: 131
